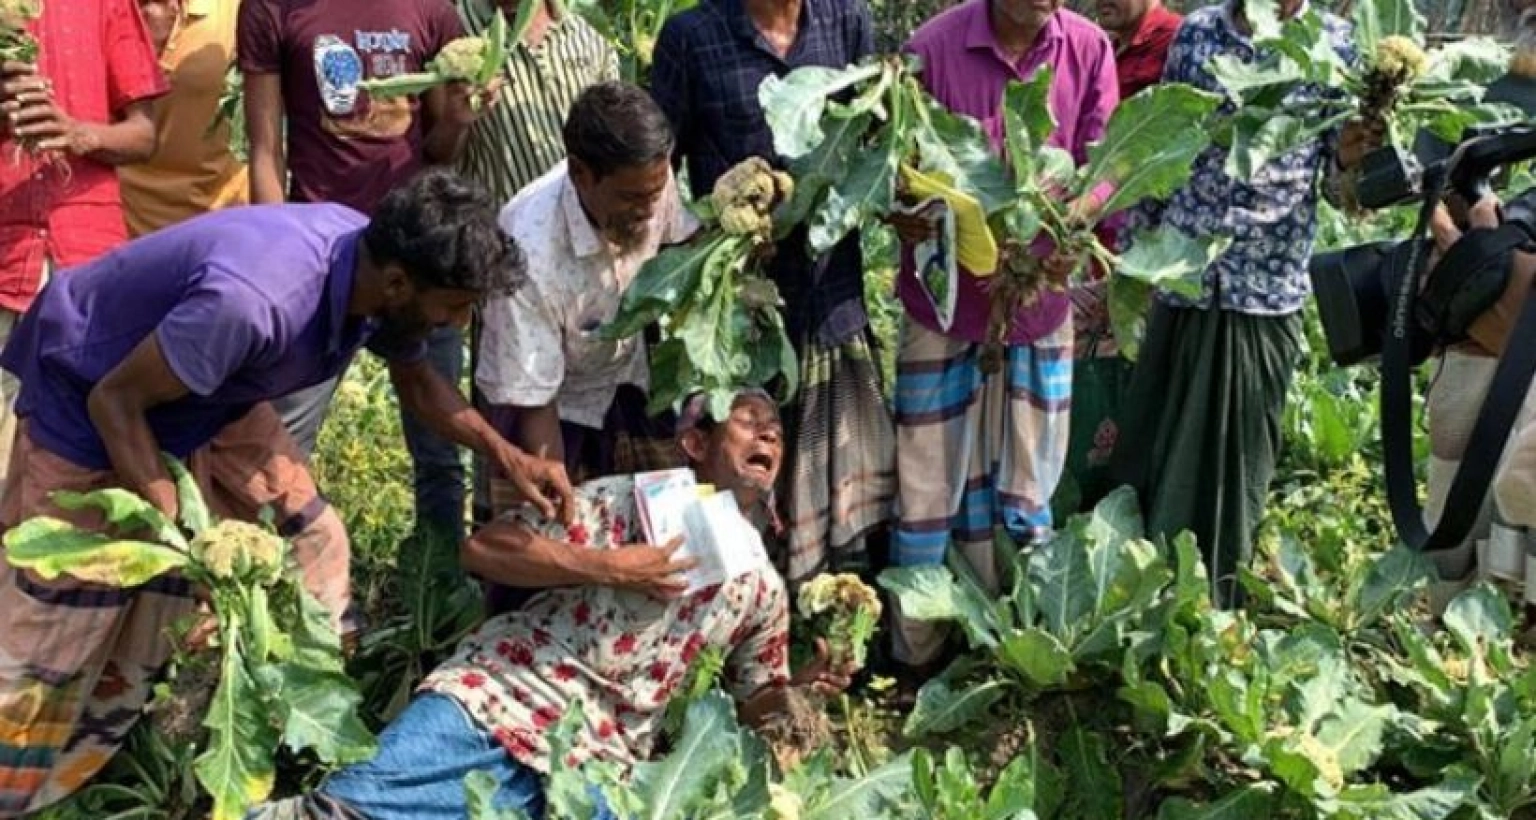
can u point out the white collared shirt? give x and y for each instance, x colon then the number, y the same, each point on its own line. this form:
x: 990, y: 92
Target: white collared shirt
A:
x: 540, y: 344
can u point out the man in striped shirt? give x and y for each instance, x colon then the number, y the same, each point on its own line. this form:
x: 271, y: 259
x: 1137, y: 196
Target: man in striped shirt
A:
x: 519, y: 139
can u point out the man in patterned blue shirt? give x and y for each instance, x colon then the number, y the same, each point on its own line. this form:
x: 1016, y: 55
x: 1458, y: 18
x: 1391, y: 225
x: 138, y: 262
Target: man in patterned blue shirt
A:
x: 1205, y: 406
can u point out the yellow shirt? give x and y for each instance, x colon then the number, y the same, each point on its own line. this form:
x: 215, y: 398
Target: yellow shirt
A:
x: 193, y: 170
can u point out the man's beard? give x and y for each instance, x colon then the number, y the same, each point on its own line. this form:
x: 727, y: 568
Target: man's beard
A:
x: 626, y: 236
x: 407, y: 322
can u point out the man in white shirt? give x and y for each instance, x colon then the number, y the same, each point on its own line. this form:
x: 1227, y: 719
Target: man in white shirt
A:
x: 586, y: 227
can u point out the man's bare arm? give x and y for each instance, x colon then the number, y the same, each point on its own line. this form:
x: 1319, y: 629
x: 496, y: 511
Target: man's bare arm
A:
x: 117, y: 406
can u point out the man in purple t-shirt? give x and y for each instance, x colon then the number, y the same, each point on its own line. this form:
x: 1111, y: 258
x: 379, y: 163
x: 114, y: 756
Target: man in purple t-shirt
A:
x: 177, y: 342
x: 978, y: 449
x: 316, y: 137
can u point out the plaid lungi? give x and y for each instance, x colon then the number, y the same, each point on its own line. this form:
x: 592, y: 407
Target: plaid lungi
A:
x: 974, y: 452
x: 841, y: 472
x: 77, y: 660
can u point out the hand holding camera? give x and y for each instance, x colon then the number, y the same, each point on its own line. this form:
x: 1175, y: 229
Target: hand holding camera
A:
x: 1489, y: 333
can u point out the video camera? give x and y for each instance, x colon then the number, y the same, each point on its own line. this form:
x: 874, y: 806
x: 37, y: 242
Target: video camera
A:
x: 1354, y: 286
x: 1375, y: 300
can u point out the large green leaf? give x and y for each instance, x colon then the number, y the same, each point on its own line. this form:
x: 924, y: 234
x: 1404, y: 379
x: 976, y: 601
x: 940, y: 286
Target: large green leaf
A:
x: 236, y: 768
x: 1263, y: 19
x: 932, y: 593
x: 864, y: 194
x: 940, y: 708
x: 1093, y: 782
x: 1171, y: 260
x: 1138, y: 157
x: 1028, y: 121
x: 956, y: 147
x: 190, y: 506
x: 1247, y: 803
x: 322, y: 716
x: 1378, y: 802
x: 480, y: 786
x: 125, y: 512
x: 51, y: 548
x: 666, y: 281
x: 1065, y: 590
x: 499, y: 40
x: 879, y: 794
x: 1037, y: 656
x: 1480, y: 620
x: 824, y: 167
x: 708, y: 329
x: 1391, y: 579
x: 793, y: 104
x: 670, y: 787
x: 1378, y: 19
x: 1478, y: 60
x: 1354, y: 734
x: 1242, y: 78
x: 1129, y: 304
x: 1273, y: 136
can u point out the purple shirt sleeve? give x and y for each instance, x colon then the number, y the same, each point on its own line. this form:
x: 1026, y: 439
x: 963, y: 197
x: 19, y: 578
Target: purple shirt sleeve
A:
x: 217, y: 329
x: 1101, y: 93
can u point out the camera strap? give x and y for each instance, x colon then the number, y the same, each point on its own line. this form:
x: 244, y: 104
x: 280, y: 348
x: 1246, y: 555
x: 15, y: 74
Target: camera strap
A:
x: 1490, y: 433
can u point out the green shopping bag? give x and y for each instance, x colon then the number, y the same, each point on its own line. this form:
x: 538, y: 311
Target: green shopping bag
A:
x: 1099, y: 381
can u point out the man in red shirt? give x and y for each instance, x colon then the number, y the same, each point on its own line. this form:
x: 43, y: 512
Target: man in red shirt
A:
x: 1142, y: 31
x: 82, y: 110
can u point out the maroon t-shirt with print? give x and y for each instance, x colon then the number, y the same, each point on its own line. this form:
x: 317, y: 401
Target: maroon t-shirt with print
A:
x: 343, y: 146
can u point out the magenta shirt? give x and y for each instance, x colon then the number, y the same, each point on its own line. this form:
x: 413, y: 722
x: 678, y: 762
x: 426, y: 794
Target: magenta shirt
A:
x: 964, y: 69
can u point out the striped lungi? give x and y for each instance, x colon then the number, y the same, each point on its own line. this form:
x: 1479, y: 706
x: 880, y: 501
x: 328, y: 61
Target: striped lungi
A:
x: 974, y: 452
x: 841, y: 475
x: 77, y: 660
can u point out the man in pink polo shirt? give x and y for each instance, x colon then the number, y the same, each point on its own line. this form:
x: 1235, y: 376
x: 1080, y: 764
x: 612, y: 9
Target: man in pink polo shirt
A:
x: 976, y: 450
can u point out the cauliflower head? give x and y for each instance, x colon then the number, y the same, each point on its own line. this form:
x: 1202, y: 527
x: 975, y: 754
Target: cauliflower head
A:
x: 745, y: 196
x: 461, y: 59
x: 783, y: 804
x: 831, y: 593
x: 845, y: 611
x: 234, y: 549
x: 1400, y: 59
x: 15, y: 14
x: 744, y: 220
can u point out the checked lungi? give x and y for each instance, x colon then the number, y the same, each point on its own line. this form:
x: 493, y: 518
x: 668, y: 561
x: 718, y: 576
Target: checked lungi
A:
x: 77, y: 660
x: 841, y: 472
x: 974, y: 452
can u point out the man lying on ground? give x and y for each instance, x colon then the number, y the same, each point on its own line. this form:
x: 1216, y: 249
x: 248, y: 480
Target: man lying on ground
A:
x: 617, y: 632
x: 177, y: 342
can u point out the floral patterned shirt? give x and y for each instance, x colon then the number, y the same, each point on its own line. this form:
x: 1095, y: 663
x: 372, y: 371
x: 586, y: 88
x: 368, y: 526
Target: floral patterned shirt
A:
x: 621, y: 653
x: 1272, y: 218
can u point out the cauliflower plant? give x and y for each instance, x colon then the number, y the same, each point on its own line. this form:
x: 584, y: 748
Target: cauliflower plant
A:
x: 231, y: 549
x: 16, y: 43
x: 845, y: 611
x: 15, y: 14
x: 1400, y: 58
x: 745, y: 196
x: 461, y: 59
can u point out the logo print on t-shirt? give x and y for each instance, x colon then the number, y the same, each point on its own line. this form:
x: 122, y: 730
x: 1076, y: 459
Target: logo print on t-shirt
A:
x: 338, y: 70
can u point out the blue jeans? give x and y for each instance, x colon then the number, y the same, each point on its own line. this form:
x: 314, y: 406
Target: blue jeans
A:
x: 436, y: 463
x: 424, y: 756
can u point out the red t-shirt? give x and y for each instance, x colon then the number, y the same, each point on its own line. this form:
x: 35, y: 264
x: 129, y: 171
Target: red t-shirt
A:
x: 1139, y: 63
x: 100, y: 59
x: 342, y: 146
